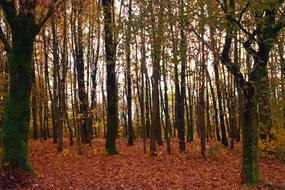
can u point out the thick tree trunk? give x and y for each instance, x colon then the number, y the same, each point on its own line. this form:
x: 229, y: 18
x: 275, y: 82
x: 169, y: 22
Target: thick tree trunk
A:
x: 250, y: 136
x: 260, y: 76
x: 155, y: 112
x: 17, y: 115
x: 264, y: 103
x: 80, y: 67
x: 112, y: 97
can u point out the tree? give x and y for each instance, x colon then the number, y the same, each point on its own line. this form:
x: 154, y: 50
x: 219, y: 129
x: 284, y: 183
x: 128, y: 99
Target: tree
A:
x: 201, y: 96
x: 155, y: 112
x: 183, y: 54
x: 112, y: 96
x: 267, y: 23
x: 129, y: 80
x: 80, y: 67
x: 24, y: 28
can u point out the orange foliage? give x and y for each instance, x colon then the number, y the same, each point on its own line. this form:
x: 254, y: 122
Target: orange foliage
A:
x: 131, y: 169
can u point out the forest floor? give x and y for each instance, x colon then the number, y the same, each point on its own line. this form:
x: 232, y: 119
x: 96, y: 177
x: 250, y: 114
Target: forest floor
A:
x: 131, y: 169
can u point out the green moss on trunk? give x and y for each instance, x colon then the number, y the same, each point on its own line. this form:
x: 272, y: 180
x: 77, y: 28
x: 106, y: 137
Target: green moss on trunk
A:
x: 250, y: 138
x: 17, y: 112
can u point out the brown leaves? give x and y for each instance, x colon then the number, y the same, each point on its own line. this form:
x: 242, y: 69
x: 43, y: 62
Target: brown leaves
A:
x: 131, y: 169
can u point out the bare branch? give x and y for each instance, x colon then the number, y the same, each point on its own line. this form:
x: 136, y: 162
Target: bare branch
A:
x: 243, y: 11
x: 237, y: 22
x: 234, y: 69
x: 225, y: 59
x: 10, y: 11
x: 221, y: 4
x: 49, y: 13
x: 4, y: 40
x: 192, y: 29
x: 280, y: 24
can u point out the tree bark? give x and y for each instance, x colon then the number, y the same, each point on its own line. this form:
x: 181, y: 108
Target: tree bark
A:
x: 17, y: 113
x: 112, y: 96
x: 129, y: 81
x: 183, y: 56
x: 250, y: 166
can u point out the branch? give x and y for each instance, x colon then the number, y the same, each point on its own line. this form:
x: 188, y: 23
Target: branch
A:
x: 237, y: 22
x: 225, y: 55
x: 243, y: 11
x: 5, y: 42
x: 10, y: 11
x: 280, y: 23
x: 231, y: 19
x: 248, y: 42
x: 235, y: 70
x: 221, y: 4
x: 225, y: 59
x: 192, y: 29
x: 49, y: 13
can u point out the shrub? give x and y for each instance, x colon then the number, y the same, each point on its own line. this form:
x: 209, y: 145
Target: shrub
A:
x: 214, y: 150
x: 275, y: 147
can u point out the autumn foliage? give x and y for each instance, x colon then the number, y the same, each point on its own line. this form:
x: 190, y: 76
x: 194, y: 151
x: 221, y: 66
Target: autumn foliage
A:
x: 131, y: 169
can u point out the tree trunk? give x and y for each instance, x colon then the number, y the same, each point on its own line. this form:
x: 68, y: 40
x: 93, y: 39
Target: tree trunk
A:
x: 143, y: 72
x: 112, y: 96
x: 55, y: 101
x: 57, y: 130
x: 201, y: 113
x: 34, y: 104
x: 190, y: 135
x: 209, y: 128
x: 80, y: 67
x: 183, y: 56
x: 147, y: 103
x: 221, y: 111
x: 282, y: 63
x: 155, y: 120
x: 166, y: 112
x: 129, y: 81
x: 264, y: 103
x: 17, y: 115
x: 250, y: 136
x: 201, y: 106
x: 217, y: 129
